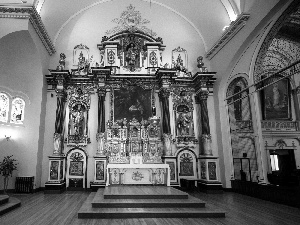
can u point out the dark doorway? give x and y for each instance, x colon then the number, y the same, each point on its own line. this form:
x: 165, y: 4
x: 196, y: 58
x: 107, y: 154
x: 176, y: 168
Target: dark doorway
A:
x: 283, y: 166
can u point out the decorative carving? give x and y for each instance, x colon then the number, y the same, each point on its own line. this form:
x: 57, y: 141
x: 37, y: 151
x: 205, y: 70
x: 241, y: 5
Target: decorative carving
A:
x: 153, y: 59
x: 182, y: 96
x: 111, y: 57
x: 186, y: 164
x: 280, y: 143
x: 131, y: 21
x: 76, y: 156
x: 279, y: 125
x: 212, y: 170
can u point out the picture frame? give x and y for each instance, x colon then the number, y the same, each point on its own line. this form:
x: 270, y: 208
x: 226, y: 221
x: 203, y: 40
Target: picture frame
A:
x: 276, y: 101
x: 76, y: 168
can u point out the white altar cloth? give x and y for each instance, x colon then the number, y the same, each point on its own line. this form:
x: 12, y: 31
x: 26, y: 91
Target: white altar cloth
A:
x: 152, y: 174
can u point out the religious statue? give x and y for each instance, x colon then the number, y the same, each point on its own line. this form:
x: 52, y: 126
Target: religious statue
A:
x: 78, y: 119
x: 183, y: 123
x: 167, y: 144
x: 100, y: 142
x: 61, y: 62
x: 131, y: 57
x: 82, y: 64
x: 57, y: 143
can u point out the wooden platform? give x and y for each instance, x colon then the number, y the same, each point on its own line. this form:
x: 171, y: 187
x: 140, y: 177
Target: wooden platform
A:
x: 144, y: 202
x: 8, y: 203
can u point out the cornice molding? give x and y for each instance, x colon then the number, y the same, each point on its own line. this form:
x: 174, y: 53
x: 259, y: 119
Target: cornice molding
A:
x: 34, y: 18
x: 229, y: 33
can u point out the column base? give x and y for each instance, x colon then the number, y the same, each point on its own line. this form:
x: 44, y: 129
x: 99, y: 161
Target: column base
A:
x: 54, y: 188
x: 96, y: 185
x: 210, y: 187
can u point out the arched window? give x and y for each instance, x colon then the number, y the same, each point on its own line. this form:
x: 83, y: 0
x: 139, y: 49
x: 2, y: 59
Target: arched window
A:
x: 241, y: 130
x: 4, y: 107
x: 17, y: 111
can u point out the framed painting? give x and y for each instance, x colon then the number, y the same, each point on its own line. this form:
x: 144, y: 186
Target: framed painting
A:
x: 76, y: 168
x: 132, y: 102
x: 276, y: 101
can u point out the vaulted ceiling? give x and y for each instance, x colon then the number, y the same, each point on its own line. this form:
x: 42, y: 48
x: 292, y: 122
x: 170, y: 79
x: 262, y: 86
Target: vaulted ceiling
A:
x: 208, y: 18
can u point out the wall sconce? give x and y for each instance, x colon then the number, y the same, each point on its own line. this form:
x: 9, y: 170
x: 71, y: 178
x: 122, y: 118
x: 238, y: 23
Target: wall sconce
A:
x: 7, y: 137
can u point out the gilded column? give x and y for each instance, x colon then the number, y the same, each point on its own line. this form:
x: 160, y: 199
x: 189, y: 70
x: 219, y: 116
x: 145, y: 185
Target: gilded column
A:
x: 206, y: 136
x: 164, y: 95
x: 60, y: 114
x: 101, y: 121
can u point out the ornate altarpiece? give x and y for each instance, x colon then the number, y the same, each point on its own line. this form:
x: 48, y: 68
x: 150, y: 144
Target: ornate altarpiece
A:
x: 160, y: 104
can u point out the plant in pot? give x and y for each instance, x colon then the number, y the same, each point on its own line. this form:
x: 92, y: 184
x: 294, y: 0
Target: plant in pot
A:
x: 7, y: 166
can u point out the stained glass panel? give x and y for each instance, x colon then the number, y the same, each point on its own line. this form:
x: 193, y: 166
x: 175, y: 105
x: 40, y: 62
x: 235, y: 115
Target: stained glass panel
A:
x: 4, y: 107
x: 17, y: 111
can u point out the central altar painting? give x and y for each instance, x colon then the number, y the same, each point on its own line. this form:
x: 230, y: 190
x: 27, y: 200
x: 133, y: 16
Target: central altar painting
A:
x: 132, y: 102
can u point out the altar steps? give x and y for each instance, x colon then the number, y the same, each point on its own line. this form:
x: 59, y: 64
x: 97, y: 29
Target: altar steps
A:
x: 8, y: 203
x: 143, y: 192
x: 149, y: 202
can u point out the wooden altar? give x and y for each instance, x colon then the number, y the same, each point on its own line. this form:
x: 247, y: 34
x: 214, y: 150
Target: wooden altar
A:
x: 138, y: 174
x: 150, y: 118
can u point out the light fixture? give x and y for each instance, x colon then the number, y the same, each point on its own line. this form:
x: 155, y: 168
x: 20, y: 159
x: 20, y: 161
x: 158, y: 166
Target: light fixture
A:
x: 7, y: 137
x: 225, y: 28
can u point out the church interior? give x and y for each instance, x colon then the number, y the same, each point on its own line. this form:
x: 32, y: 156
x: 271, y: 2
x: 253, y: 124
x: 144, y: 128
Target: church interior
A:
x: 135, y: 103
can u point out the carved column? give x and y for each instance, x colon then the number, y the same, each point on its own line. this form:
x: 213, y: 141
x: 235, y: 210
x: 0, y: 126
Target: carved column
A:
x: 208, y: 164
x: 164, y: 95
x: 206, y: 136
x: 56, y: 174
x: 101, y: 121
x: 60, y: 113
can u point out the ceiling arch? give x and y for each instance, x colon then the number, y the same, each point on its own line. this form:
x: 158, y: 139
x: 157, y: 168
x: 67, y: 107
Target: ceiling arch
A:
x: 150, y: 1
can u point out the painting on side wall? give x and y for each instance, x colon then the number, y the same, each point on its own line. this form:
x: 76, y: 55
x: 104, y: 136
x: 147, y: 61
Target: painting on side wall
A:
x: 276, y: 101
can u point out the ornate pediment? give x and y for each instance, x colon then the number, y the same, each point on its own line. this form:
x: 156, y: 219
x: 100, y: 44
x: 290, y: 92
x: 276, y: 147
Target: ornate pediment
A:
x: 132, y: 21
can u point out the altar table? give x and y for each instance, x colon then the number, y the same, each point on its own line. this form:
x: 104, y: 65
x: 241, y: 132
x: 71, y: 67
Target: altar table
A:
x: 138, y: 174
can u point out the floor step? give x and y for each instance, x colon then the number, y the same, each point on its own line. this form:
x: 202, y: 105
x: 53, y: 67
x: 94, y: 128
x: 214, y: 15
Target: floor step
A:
x: 143, y: 192
x: 88, y: 211
x: 10, y: 205
x: 100, y: 202
x: 146, y: 213
x: 3, y: 199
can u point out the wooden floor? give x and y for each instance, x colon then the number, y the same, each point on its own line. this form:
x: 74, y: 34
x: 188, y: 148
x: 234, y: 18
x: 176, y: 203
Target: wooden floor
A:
x: 58, y: 209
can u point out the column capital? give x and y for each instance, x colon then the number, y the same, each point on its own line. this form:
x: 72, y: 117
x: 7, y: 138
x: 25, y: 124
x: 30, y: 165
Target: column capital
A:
x: 101, y: 92
x: 203, y: 95
x: 164, y: 93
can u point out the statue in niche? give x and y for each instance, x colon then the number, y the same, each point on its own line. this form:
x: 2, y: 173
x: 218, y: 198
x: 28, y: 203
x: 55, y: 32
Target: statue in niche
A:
x: 78, y: 119
x: 184, y: 121
x: 131, y: 56
x: 82, y: 63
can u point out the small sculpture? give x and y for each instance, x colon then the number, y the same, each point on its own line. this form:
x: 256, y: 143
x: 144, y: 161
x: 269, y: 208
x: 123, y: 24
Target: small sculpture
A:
x: 78, y: 118
x: 200, y: 64
x: 183, y: 124
x: 199, y: 61
x: 61, y: 61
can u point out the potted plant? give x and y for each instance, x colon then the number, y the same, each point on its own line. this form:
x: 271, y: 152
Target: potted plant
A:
x: 7, y: 166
